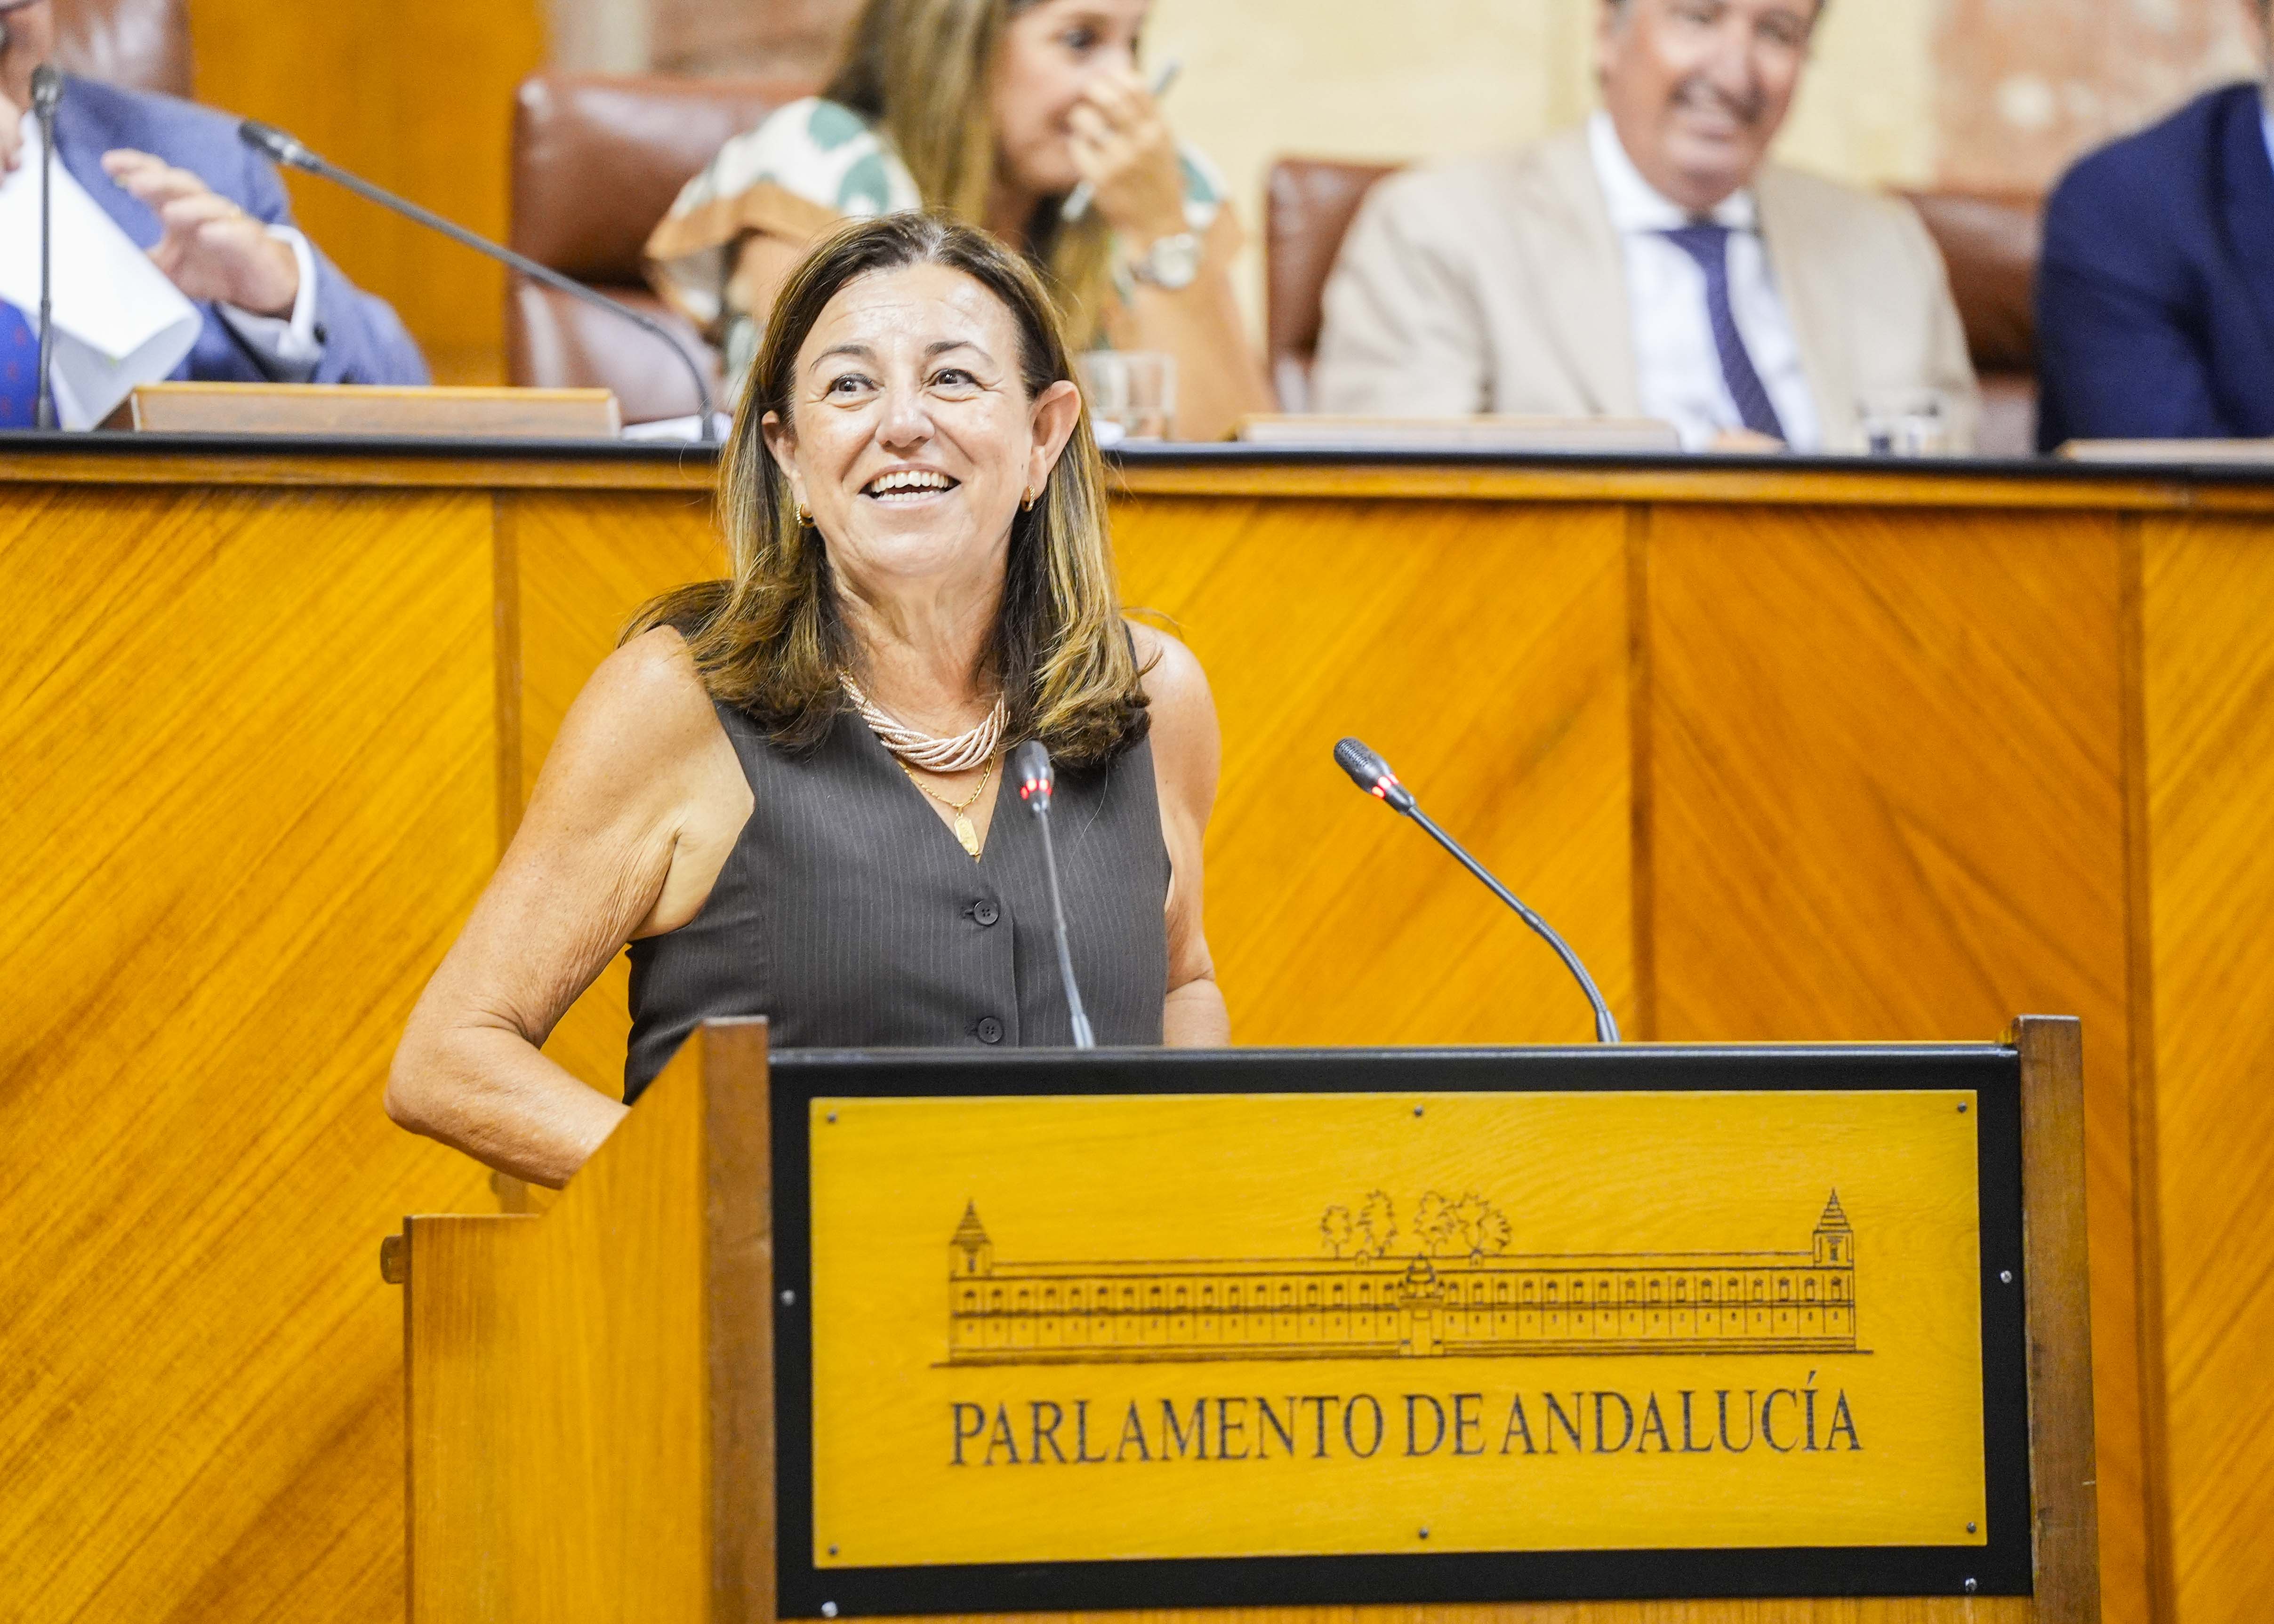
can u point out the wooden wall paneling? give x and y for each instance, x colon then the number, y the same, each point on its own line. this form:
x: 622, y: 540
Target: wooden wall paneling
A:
x: 584, y: 562
x: 2140, y: 1013
x: 561, y: 1456
x: 415, y: 94
x: 250, y: 749
x: 1482, y: 649
x: 1887, y: 802
x: 2207, y: 602
x: 2063, y: 1474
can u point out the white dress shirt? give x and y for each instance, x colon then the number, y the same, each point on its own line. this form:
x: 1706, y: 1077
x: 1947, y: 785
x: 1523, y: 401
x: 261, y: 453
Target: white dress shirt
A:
x: 1678, y: 368
x: 288, y: 347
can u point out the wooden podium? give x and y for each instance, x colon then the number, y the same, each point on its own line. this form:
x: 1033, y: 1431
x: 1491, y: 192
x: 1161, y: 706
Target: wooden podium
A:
x: 781, y: 1349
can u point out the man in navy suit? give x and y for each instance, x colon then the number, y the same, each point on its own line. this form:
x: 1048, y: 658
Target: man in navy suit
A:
x: 213, y: 215
x: 2155, y: 297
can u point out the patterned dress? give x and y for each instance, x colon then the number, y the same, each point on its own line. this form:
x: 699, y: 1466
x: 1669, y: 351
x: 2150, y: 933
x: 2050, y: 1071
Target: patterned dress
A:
x: 738, y: 226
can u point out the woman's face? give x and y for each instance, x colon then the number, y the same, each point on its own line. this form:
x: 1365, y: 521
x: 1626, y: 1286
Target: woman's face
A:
x: 911, y: 439
x: 1046, y: 58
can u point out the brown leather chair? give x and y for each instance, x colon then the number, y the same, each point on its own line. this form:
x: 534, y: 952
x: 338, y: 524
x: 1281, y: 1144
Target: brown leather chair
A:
x: 1308, y: 205
x: 597, y: 160
x: 141, y: 43
x: 1989, y: 242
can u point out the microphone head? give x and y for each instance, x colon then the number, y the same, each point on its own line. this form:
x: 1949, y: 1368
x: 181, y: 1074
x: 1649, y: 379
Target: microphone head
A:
x: 1372, y: 774
x: 1031, y: 771
x: 47, y: 89
x: 274, y: 144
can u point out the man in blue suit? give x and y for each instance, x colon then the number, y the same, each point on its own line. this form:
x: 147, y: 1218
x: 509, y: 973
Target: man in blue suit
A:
x: 2156, y: 296
x: 213, y: 217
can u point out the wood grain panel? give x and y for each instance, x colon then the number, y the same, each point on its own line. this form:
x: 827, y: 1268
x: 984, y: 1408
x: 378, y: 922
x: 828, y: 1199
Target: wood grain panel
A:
x: 250, y: 800
x: 1484, y: 652
x: 2207, y: 602
x: 272, y: 464
x: 559, y: 1445
x: 583, y: 563
x: 415, y: 94
x: 1780, y: 481
x: 1887, y: 802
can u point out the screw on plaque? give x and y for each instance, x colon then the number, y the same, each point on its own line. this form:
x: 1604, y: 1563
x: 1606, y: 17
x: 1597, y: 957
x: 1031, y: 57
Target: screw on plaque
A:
x: 1971, y: 1587
x: 788, y: 1297
x: 832, y: 1550
x: 2005, y: 1277
x: 1416, y: 1110
x: 1969, y: 1529
x: 1962, y: 1108
x: 1424, y: 1533
x: 833, y: 1116
x: 828, y: 1608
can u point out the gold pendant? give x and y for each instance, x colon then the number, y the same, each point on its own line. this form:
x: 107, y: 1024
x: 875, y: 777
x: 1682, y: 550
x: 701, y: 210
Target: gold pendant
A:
x: 965, y: 833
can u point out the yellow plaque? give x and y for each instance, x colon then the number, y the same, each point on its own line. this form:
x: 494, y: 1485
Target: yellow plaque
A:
x: 1054, y: 1329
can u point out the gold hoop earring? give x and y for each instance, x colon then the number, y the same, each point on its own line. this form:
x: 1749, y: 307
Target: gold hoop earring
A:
x: 1033, y: 496
x: 804, y: 517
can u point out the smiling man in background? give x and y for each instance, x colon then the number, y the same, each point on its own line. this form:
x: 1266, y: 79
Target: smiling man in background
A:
x: 1653, y: 263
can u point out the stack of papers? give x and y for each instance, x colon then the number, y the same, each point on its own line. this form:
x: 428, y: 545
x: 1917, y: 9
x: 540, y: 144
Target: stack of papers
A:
x: 118, y: 321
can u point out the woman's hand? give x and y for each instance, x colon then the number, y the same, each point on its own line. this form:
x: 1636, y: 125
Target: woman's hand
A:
x: 1127, y: 153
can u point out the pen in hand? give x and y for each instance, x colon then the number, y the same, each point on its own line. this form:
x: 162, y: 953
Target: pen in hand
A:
x: 1078, y: 199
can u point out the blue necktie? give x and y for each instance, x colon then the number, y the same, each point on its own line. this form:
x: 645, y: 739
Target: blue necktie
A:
x: 20, y: 369
x: 1709, y: 245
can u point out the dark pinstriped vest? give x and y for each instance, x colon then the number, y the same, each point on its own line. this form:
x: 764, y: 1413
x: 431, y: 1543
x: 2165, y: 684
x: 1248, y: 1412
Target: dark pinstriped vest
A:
x: 849, y: 916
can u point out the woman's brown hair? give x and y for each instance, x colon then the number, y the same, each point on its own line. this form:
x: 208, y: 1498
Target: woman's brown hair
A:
x: 920, y: 70
x: 773, y: 641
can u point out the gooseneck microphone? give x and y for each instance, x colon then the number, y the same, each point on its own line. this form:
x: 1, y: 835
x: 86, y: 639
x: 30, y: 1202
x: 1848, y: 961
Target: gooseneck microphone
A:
x: 1373, y: 774
x: 1030, y: 766
x: 287, y: 150
x: 47, y: 90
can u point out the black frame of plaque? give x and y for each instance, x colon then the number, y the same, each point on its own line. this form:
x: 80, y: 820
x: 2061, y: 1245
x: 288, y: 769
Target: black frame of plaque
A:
x: 2000, y: 1567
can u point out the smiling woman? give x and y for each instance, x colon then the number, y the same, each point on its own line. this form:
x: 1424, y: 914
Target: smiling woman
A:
x: 780, y: 790
x: 996, y: 111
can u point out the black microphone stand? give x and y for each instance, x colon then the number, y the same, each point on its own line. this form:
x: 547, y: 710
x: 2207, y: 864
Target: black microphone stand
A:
x: 287, y: 150
x: 1607, y: 1029
x: 1373, y: 774
x: 47, y: 90
x: 1038, y: 782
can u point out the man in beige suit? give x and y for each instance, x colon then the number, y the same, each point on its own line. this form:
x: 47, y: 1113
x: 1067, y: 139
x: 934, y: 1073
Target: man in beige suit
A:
x: 1652, y: 264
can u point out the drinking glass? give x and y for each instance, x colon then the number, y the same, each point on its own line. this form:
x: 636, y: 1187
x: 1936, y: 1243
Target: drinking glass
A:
x: 1131, y: 393
x: 1904, y: 423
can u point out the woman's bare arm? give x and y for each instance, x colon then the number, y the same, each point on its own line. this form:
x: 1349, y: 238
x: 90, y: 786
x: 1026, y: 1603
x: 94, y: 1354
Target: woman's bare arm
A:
x: 1188, y: 750
x: 638, y: 803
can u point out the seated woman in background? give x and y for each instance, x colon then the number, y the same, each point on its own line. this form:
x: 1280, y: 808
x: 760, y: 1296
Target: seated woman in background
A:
x: 994, y: 111
x: 784, y: 789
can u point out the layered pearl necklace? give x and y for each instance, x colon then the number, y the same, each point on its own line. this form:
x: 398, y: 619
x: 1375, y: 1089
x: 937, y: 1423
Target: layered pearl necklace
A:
x: 917, y: 748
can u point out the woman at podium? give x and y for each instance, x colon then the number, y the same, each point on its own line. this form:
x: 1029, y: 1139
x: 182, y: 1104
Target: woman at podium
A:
x: 784, y: 790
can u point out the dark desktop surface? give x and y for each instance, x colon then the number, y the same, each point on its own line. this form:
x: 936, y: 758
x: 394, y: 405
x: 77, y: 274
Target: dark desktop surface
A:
x: 1138, y: 458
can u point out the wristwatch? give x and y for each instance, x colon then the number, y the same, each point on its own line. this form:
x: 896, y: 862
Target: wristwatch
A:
x: 1170, y: 263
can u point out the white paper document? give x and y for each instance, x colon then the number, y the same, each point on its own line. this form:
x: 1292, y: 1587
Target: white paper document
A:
x: 118, y: 321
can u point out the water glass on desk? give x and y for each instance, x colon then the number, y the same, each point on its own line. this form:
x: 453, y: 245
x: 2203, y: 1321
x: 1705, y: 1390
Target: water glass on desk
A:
x: 1903, y: 423
x: 1131, y: 393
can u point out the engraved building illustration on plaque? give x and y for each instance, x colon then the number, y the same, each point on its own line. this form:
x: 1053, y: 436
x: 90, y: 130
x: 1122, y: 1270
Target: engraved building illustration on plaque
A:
x: 1454, y: 1290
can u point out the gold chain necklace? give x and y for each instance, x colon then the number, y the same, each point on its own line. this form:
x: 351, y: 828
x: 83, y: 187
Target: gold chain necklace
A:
x: 965, y: 830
